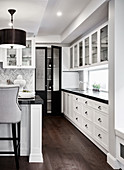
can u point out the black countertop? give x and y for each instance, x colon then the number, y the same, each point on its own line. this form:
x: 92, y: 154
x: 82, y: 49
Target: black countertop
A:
x: 98, y: 96
x: 36, y: 100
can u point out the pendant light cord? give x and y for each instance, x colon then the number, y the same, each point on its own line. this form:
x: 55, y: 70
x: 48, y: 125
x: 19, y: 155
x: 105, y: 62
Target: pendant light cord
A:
x: 12, y: 11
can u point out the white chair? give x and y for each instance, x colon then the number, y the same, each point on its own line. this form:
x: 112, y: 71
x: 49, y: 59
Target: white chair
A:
x: 10, y: 113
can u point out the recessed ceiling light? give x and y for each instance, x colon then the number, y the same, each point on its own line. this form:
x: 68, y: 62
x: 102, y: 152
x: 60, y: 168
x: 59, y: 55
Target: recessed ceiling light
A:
x: 59, y: 13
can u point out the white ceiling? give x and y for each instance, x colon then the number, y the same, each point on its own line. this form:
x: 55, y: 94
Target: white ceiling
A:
x: 51, y: 24
x: 38, y: 17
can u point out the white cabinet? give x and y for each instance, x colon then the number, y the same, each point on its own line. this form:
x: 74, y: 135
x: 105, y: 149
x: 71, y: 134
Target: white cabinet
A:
x: 1, y: 54
x: 20, y: 58
x: 67, y: 104
x: 91, y: 49
x: 90, y: 116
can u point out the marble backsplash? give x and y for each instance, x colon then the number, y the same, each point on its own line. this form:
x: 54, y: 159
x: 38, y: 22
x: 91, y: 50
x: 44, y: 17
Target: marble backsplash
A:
x: 11, y: 74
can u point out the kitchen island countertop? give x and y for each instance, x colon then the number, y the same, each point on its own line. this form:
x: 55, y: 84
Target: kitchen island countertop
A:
x: 36, y: 100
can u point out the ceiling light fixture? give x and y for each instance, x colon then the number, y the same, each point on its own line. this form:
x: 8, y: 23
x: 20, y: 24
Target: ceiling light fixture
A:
x: 59, y: 13
x: 12, y: 38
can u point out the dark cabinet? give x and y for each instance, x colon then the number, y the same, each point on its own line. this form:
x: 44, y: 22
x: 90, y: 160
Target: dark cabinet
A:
x: 48, y: 78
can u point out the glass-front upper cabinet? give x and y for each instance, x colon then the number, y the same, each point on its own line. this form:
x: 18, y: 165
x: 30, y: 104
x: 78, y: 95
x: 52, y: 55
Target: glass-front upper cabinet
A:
x: 27, y: 59
x: 94, y: 52
x: 27, y: 54
x: 104, y: 43
x: 71, y: 57
x: 11, y: 58
x: 20, y: 58
x: 75, y: 56
x: 81, y: 53
x: 87, y: 51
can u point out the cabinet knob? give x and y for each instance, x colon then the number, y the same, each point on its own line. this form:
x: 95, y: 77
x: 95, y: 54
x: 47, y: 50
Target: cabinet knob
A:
x: 76, y: 98
x: 76, y: 118
x: 99, y: 135
x: 86, y: 113
x: 77, y: 108
x: 86, y: 126
x: 99, y: 107
x: 99, y: 119
x: 85, y: 102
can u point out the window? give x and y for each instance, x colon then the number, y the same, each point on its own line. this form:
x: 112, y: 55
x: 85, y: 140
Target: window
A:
x: 99, y: 77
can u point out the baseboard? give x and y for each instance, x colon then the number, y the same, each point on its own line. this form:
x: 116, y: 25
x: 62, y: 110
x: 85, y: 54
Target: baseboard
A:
x: 36, y: 158
x: 113, y: 162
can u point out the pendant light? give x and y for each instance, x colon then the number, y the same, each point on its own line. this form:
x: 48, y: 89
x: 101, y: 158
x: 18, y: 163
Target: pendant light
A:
x: 12, y: 38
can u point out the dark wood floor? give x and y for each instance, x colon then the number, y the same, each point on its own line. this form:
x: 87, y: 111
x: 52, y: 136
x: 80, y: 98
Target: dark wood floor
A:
x: 64, y: 148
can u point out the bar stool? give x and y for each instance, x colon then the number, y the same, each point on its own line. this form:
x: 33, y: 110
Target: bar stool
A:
x: 10, y: 113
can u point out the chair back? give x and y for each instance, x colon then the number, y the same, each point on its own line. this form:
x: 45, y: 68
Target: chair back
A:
x: 9, y: 108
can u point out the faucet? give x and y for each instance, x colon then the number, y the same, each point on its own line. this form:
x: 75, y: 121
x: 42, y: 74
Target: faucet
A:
x: 83, y: 85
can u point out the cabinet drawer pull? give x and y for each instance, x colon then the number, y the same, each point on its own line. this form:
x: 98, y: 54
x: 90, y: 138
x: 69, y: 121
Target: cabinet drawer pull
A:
x: 99, y: 119
x: 76, y: 118
x: 99, y: 107
x: 77, y: 108
x: 99, y: 135
x: 76, y: 98
x: 86, y: 126
x: 85, y: 102
x: 86, y: 113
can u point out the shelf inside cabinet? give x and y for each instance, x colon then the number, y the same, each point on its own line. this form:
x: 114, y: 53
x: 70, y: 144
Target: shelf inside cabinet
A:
x: 49, y: 100
x: 49, y: 111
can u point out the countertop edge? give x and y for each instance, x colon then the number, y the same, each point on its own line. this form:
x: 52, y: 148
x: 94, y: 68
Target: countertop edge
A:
x: 36, y: 100
x: 87, y: 96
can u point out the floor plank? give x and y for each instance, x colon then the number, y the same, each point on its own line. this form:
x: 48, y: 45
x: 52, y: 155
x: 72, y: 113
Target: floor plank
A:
x: 64, y: 148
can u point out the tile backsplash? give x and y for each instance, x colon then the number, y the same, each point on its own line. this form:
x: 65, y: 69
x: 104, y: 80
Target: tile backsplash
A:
x: 11, y: 74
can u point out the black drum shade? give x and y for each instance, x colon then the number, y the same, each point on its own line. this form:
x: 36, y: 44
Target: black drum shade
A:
x: 12, y: 38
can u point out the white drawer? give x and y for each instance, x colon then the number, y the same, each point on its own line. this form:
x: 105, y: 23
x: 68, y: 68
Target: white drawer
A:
x: 101, y: 137
x: 101, y: 120
x: 88, y: 113
x: 87, y: 126
x: 78, y: 99
x: 77, y: 119
x: 77, y: 107
x: 100, y: 106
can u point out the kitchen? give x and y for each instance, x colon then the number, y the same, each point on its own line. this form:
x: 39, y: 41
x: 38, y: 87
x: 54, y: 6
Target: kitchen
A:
x: 90, y: 45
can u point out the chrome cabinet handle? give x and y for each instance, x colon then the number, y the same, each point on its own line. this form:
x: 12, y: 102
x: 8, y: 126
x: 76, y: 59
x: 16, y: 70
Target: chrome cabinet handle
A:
x: 99, y: 107
x: 99, y: 119
x: 99, y: 135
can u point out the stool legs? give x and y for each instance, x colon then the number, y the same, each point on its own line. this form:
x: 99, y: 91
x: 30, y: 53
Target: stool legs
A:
x: 18, y: 126
x: 16, y: 147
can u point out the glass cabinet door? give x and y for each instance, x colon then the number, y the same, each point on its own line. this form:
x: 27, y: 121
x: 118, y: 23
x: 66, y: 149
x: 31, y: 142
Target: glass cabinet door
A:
x: 81, y: 53
x: 49, y: 81
x: 12, y: 57
x: 56, y: 79
x: 104, y: 44
x: 75, y: 56
x: 94, y: 47
x: 27, y: 54
x: 71, y: 57
x: 87, y: 51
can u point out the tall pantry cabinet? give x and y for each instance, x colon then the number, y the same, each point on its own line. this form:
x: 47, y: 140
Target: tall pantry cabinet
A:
x: 48, y: 78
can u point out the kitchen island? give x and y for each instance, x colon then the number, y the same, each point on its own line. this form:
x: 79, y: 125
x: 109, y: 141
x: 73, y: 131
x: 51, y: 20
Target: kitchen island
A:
x: 31, y: 130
